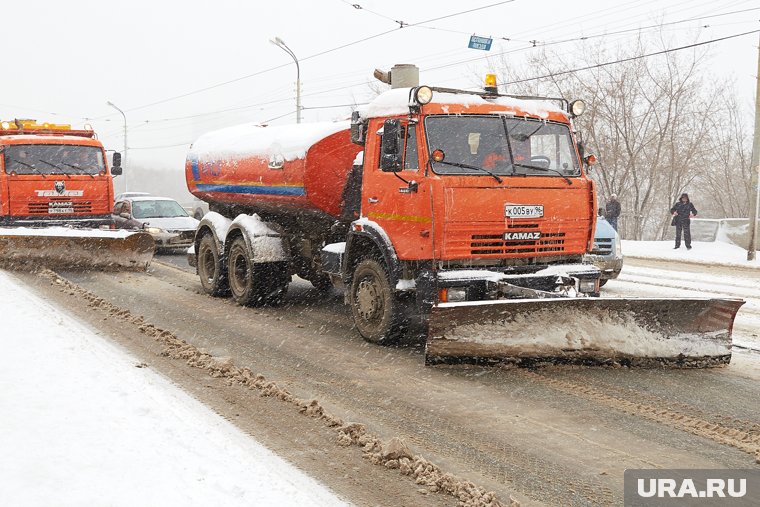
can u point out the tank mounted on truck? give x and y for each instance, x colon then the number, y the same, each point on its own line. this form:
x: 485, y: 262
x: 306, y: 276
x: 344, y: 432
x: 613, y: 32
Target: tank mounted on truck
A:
x: 464, y: 214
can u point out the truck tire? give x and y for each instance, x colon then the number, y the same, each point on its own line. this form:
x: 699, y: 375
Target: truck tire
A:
x: 255, y: 284
x: 374, y: 306
x: 211, y: 270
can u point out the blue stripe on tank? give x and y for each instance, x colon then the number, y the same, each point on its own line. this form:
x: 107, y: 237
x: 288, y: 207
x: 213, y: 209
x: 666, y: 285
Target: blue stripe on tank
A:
x: 252, y: 189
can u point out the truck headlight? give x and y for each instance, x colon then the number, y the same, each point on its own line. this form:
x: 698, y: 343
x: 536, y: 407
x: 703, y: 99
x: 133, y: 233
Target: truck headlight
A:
x: 154, y: 230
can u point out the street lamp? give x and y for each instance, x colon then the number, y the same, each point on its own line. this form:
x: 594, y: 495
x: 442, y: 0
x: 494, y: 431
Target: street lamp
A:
x: 124, y: 163
x: 280, y: 44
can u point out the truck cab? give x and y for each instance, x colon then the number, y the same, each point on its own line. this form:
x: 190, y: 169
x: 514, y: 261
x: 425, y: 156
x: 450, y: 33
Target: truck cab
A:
x: 52, y: 175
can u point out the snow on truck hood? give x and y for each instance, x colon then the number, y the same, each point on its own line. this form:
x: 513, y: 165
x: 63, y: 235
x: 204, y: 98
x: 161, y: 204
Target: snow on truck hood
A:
x: 396, y: 102
x: 252, y: 139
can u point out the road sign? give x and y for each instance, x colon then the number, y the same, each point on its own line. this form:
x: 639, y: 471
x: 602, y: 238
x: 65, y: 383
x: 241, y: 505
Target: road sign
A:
x: 483, y: 43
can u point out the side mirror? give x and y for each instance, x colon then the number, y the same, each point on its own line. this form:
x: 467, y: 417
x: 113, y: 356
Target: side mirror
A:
x: 358, y: 129
x: 116, y: 164
x: 390, y: 154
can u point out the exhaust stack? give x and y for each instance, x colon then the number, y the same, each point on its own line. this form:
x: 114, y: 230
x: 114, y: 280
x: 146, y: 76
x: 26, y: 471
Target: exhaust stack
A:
x: 401, y: 75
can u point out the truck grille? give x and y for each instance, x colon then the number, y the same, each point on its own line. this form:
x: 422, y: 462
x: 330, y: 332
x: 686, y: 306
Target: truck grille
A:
x: 486, y: 240
x: 494, y: 244
x: 602, y: 246
x: 43, y: 207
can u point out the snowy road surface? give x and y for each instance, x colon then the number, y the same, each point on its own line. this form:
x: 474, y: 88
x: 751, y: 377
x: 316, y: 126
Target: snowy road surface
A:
x: 83, y: 424
x: 553, y: 436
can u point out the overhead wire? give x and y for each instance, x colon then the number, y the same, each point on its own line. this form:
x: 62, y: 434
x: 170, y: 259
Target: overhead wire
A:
x: 622, y: 60
x: 309, y: 57
x: 419, y: 25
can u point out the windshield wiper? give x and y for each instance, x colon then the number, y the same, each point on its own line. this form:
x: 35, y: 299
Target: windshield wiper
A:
x: 528, y: 166
x: 30, y: 166
x: 468, y: 166
x: 79, y: 169
x: 53, y: 165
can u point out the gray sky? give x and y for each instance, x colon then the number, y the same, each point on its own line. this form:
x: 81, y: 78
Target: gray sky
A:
x: 64, y: 60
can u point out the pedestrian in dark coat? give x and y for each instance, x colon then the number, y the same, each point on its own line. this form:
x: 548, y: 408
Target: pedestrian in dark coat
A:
x: 612, y: 211
x: 682, y: 212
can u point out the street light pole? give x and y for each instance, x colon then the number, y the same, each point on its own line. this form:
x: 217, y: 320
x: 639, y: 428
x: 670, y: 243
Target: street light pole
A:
x: 280, y: 44
x: 124, y: 160
x: 755, y: 171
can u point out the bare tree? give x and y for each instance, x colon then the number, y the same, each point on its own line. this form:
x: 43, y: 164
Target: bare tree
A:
x: 654, y: 124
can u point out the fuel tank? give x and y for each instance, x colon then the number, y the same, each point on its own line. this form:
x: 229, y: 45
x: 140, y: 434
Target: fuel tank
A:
x: 289, y: 168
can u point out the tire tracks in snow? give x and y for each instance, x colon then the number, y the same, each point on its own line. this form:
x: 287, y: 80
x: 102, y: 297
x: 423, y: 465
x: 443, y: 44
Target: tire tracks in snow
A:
x: 739, y: 434
x: 392, y: 454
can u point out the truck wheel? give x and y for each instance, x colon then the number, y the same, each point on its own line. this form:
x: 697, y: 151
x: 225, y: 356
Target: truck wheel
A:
x: 210, y: 269
x: 374, y: 306
x: 241, y: 275
x: 252, y: 284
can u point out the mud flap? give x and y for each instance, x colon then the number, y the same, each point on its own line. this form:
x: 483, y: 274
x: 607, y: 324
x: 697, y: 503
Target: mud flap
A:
x: 85, y: 250
x: 694, y: 332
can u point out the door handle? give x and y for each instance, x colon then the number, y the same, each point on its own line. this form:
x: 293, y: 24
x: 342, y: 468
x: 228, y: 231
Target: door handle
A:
x: 373, y: 200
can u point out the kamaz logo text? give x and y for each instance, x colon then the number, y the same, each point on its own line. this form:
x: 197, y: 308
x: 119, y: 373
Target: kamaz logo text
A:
x: 56, y: 193
x: 530, y: 236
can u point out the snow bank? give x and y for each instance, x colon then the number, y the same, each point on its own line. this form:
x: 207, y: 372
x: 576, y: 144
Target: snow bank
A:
x: 717, y: 252
x: 83, y: 426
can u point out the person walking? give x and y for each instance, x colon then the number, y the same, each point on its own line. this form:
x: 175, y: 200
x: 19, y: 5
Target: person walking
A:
x: 683, y: 210
x: 612, y: 211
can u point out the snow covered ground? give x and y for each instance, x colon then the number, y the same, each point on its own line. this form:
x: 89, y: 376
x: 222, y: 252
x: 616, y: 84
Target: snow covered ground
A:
x: 716, y: 252
x: 81, y: 425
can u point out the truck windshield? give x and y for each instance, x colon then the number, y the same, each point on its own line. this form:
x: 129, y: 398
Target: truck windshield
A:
x: 482, y: 145
x: 47, y: 159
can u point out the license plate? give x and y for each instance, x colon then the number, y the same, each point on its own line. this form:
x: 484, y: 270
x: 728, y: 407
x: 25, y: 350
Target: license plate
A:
x: 524, y: 210
x: 60, y: 210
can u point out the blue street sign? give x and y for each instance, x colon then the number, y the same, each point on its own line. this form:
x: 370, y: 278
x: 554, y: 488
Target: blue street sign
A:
x: 483, y: 43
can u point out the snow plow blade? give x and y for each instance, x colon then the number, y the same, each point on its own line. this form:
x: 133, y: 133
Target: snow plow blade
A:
x: 27, y: 248
x: 685, y: 333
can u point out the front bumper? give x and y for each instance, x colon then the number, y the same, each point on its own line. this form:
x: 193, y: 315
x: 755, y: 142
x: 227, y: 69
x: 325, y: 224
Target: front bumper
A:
x: 173, y: 239
x: 609, y: 266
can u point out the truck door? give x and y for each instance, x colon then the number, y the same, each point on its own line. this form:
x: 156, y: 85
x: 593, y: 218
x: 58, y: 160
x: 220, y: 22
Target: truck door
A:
x: 399, y: 201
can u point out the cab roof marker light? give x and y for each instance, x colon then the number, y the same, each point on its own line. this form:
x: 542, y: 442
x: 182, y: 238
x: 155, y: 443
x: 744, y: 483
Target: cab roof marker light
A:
x: 490, y: 84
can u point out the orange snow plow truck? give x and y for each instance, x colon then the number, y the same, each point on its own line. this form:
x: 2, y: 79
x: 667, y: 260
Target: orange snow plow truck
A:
x: 464, y: 215
x: 56, y: 198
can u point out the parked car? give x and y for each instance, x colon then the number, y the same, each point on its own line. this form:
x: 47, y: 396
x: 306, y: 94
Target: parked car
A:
x: 199, y: 208
x: 607, y: 254
x: 161, y: 217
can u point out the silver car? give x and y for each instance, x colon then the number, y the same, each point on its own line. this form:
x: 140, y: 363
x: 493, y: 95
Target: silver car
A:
x: 161, y: 217
x: 607, y: 254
